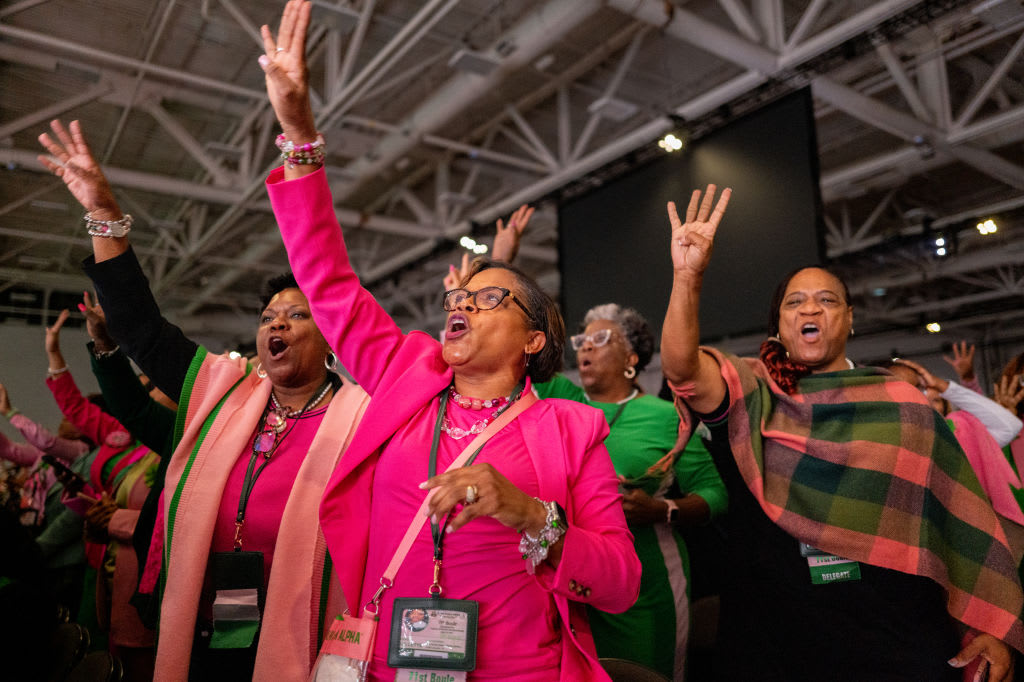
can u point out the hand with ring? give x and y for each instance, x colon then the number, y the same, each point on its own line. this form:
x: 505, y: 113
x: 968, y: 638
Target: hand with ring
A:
x: 482, y: 491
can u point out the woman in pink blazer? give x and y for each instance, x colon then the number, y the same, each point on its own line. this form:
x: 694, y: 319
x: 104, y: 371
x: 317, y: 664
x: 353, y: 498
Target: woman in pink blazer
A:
x: 502, y: 333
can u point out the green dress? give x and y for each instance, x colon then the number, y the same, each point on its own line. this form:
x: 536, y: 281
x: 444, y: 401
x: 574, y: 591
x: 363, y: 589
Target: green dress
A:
x: 654, y: 630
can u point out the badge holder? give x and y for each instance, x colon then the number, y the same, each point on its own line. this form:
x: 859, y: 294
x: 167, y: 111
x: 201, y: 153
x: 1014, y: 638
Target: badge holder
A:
x: 239, y: 600
x: 348, y: 645
x: 828, y: 568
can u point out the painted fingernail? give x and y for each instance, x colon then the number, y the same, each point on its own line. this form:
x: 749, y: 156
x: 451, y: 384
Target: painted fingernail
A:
x: 448, y: 529
x: 955, y: 663
x: 264, y: 60
x: 433, y: 518
x: 81, y: 307
x: 423, y: 486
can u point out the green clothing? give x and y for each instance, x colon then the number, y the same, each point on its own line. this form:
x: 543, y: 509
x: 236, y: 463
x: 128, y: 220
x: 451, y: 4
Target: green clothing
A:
x: 654, y: 629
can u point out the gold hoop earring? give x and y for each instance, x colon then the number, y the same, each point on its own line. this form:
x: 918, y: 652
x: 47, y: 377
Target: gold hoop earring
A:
x: 259, y: 371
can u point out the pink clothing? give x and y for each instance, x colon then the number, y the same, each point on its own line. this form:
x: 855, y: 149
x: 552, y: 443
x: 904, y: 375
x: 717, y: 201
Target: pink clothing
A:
x: 38, y: 436
x: 989, y: 463
x: 404, y: 373
x: 125, y: 626
x: 267, y: 500
x: 29, y: 454
x: 481, y: 561
x: 222, y: 404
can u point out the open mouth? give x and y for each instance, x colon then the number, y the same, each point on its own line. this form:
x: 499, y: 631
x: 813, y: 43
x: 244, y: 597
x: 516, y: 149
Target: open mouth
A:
x: 585, y: 363
x: 810, y: 331
x: 276, y: 346
x: 457, y: 326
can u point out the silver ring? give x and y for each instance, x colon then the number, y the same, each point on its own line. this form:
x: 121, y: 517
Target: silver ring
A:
x: 471, y: 492
x: 280, y: 49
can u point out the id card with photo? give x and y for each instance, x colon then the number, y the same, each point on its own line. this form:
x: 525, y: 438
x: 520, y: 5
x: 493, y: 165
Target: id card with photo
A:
x: 433, y: 633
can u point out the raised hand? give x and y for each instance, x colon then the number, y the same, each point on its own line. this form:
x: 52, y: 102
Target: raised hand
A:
x: 72, y: 161
x: 693, y: 240
x: 5, y: 401
x: 284, y: 64
x: 52, y: 343
x: 96, y: 324
x: 454, y: 276
x: 962, y: 360
x: 927, y: 378
x: 506, y: 239
x: 1008, y: 392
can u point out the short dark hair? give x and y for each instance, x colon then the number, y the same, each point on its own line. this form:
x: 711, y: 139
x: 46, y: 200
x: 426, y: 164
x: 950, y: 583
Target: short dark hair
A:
x: 276, y: 285
x: 780, y: 293
x: 544, y: 317
x: 784, y: 371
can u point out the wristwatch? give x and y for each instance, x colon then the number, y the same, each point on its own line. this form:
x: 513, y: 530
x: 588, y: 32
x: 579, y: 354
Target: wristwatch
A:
x: 672, y: 514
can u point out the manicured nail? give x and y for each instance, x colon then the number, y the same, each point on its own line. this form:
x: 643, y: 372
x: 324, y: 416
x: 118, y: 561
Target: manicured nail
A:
x: 448, y: 529
x: 423, y: 486
x: 433, y: 519
x: 81, y: 307
x: 955, y: 663
x: 264, y: 60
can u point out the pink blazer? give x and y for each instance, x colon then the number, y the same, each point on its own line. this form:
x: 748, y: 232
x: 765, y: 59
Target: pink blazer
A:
x: 402, y: 373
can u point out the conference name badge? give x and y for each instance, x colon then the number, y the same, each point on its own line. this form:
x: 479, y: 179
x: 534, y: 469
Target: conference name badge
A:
x: 432, y: 639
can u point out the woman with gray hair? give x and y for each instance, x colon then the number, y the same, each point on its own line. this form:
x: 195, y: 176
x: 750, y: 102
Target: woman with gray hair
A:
x: 614, y: 347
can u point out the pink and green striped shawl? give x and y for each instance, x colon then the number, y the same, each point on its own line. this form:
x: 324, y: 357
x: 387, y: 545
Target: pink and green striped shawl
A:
x: 858, y: 464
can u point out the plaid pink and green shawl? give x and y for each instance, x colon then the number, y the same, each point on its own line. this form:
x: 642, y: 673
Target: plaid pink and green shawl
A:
x: 859, y: 464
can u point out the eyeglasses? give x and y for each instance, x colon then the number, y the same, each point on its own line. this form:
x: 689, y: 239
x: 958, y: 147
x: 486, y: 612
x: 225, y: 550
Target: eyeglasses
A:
x: 598, y: 338
x: 487, y: 298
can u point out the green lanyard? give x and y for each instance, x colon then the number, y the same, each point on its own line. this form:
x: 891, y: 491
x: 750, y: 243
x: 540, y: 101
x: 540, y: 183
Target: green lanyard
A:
x: 436, y: 529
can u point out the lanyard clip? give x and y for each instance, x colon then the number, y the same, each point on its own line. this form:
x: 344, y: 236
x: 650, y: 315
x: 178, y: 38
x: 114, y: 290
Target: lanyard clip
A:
x: 238, y: 535
x: 435, y: 589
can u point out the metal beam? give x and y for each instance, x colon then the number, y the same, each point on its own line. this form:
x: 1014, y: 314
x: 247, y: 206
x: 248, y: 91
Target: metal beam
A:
x: 135, y: 65
x: 221, y: 176
x: 54, y: 110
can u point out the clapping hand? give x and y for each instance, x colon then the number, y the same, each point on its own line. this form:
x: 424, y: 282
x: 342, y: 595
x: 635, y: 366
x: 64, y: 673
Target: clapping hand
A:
x: 693, y: 240
x: 96, y: 324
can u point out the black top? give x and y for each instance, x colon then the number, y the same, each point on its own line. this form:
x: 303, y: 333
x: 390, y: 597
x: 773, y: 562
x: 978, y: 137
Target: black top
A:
x: 775, y: 624
x: 158, y: 347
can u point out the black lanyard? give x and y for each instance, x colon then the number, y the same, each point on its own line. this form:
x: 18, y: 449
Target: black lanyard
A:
x: 252, y: 473
x: 436, y: 529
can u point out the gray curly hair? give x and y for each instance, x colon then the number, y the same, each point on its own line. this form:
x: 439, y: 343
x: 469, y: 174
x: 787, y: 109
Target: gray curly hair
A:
x: 633, y: 325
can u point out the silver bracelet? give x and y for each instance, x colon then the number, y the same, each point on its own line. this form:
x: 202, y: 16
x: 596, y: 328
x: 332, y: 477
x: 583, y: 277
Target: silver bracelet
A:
x: 108, y: 228
x: 535, y: 549
x: 55, y: 372
x: 102, y: 354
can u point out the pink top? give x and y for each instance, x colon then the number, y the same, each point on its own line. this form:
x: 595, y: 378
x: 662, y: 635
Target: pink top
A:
x: 269, y: 495
x: 481, y: 560
x: 404, y: 373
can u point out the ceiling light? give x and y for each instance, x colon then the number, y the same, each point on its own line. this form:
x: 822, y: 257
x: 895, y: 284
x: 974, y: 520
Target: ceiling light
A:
x: 878, y: 291
x: 941, y: 251
x: 941, y: 241
x: 987, y: 226
x: 670, y: 143
x: 933, y: 327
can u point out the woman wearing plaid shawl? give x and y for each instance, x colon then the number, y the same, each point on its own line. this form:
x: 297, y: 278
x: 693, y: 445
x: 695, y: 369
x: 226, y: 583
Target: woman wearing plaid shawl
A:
x: 856, y: 523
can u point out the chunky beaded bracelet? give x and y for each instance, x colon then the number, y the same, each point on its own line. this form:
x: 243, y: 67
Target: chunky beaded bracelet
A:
x: 535, y: 549
x: 302, y: 154
x: 108, y: 228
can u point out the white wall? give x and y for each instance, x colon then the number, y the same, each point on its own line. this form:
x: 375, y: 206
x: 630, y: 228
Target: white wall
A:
x: 23, y: 371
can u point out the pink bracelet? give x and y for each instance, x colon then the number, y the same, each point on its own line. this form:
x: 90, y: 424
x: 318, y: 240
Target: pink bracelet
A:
x: 303, y: 154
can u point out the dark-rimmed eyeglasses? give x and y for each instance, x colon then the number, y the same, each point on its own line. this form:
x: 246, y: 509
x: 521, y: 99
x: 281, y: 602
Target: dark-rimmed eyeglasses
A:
x: 598, y: 338
x: 487, y: 298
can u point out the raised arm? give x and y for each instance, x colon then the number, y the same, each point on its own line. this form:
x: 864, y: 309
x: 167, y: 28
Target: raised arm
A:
x: 694, y: 375
x: 357, y: 328
x: 157, y: 346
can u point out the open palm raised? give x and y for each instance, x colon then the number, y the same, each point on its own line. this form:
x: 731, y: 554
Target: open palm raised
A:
x: 693, y: 240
